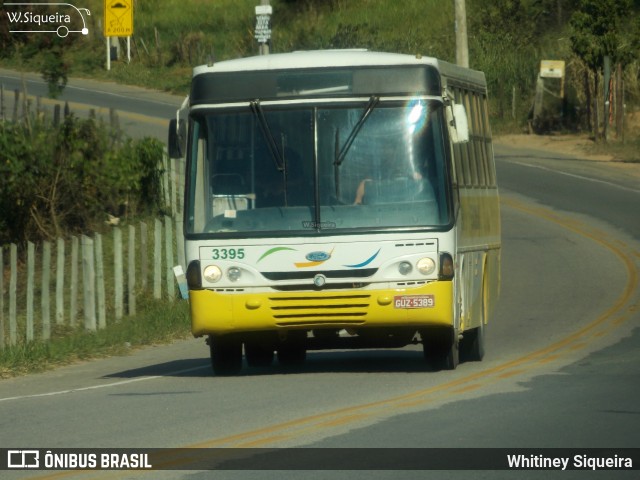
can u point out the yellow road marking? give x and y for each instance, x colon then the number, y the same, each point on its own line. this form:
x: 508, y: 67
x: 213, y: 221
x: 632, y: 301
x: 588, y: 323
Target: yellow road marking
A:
x: 468, y: 388
x: 512, y: 373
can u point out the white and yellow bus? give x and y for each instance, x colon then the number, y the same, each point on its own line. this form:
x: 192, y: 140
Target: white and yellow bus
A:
x: 335, y: 200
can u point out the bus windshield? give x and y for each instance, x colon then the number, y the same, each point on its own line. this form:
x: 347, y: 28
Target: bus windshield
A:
x: 291, y: 169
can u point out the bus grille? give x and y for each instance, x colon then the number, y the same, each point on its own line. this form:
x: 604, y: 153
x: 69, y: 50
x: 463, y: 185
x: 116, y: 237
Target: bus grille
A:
x: 320, y: 310
x: 301, y: 275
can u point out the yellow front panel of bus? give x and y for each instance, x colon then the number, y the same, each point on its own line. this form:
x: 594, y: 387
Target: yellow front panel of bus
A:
x: 219, y: 312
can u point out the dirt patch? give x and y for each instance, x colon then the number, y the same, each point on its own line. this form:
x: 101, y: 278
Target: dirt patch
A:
x: 579, y: 146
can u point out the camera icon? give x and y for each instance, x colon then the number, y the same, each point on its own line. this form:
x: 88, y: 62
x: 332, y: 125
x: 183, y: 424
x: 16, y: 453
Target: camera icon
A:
x: 23, y: 459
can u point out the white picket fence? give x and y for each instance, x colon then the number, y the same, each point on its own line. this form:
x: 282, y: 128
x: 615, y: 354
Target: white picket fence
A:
x: 75, y: 282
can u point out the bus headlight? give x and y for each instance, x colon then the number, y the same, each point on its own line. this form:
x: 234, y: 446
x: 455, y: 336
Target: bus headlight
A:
x: 404, y: 268
x: 234, y: 274
x: 212, y: 273
x: 426, y: 266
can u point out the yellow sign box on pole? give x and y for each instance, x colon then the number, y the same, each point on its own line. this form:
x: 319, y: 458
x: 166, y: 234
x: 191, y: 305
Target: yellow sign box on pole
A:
x: 118, y: 18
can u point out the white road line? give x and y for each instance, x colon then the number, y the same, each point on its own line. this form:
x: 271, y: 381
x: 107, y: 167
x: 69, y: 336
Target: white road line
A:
x: 581, y: 177
x: 106, y: 385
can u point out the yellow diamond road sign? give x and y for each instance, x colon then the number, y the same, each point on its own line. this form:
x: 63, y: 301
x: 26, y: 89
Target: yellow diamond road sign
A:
x: 118, y: 18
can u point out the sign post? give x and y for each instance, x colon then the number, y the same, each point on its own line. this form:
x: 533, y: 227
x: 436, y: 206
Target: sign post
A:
x: 118, y: 22
x: 263, y: 26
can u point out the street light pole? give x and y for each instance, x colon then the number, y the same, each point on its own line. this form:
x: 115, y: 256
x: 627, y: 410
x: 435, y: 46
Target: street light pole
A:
x: 462, y: 47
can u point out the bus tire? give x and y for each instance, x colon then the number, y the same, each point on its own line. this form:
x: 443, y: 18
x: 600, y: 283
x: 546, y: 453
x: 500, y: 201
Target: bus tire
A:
x: 226, y: 355
x: 440, y: 349
x: 258, y: 355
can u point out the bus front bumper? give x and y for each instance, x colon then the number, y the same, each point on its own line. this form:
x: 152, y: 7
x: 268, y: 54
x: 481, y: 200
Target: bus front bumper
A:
x: 219, y: 313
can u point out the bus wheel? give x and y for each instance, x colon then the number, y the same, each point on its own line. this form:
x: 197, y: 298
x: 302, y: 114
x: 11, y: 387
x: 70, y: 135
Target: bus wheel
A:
x: 292, y: 355
x: 226, y: 355
x: 258, y: 355
x: 440, y: 348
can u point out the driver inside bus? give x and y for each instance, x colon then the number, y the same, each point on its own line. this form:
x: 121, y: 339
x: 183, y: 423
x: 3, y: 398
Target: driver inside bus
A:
x: 394, y: 173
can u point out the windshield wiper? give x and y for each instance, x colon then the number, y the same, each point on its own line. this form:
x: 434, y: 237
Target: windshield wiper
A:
x: 278, y: 160
x: 373, y: 101
x: 278, y: 157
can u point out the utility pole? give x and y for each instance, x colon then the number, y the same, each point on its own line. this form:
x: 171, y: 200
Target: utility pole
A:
x: 462, y: 47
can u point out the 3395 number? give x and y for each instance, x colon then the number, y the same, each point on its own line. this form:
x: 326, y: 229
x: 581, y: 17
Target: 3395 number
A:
x: 228, y: 253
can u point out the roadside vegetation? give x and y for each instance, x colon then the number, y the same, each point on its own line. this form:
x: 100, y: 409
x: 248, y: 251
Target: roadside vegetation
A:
x: 507, y: 40
x: 66, y: 176
x: 159, y: 322
x: 69, y: 178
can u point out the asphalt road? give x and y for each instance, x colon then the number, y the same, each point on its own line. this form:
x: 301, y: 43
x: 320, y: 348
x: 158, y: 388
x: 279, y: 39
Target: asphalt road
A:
x: 562, y: 368
x: 140, y: 112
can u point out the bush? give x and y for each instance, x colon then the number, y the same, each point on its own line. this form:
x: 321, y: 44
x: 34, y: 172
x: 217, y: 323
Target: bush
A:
x: 68, y: 179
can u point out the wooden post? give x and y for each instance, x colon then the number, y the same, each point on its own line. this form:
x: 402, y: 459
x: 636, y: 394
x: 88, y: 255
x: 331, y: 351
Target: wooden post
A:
x: 31, y: 263
x: 2, y: 340
x: 60, y: 282
x: 46, y: 284
x: 174, y: 187
x: 157, y: 260
x: 144, y: 256
x: 180, y: 244
x: 73, y: 302
x: 171, y: 290
x: 619, y: 103
x: 2, y: 109
x: 89, y: 284
x: 101, y: 295
x: 16, y: 103
x: 118, y: 276
x: 13, y: 288
x: 596, y: 111
x: 181, y: 175
x: 165, y: 179
x: 131, y: 275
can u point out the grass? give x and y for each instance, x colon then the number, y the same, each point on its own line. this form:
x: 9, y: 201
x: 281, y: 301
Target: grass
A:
x: 158, y: 322
x: 627, y: 151
x: 155, y: 321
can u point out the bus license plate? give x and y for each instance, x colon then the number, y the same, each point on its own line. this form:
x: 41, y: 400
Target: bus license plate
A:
x: 414, y: 301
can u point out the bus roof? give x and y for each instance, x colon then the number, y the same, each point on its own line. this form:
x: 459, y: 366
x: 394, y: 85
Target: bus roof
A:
x: 337, y: 58
x: 327, y: 73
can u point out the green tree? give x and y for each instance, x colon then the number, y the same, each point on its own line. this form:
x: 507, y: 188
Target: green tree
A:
x: 602, y: 28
